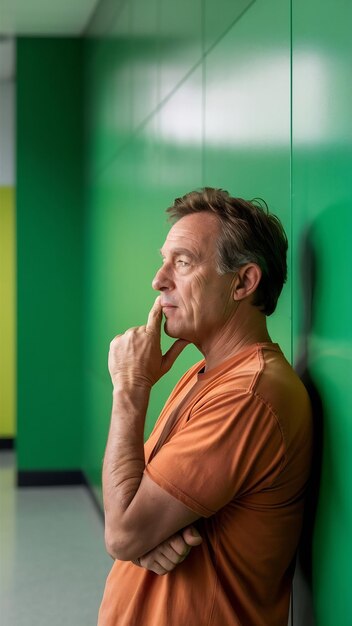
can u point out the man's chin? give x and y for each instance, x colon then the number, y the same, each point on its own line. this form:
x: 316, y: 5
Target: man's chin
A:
x: 173, y: 332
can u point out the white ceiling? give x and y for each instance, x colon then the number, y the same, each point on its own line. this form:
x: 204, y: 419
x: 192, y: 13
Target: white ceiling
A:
x: 39, y: 18
x: 45, y: 17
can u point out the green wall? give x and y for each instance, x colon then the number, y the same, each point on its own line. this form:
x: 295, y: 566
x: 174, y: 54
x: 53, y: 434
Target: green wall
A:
x: 322, y: 294
x: 49, y: 253
x: 253, y: 97
x: 159, y: 124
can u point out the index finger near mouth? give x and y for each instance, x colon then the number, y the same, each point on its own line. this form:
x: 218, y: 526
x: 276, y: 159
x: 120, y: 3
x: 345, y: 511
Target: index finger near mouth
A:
x: 154, y: 317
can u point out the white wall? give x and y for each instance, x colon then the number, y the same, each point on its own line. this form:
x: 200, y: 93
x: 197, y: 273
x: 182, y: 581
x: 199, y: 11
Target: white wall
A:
x: 7, y: 133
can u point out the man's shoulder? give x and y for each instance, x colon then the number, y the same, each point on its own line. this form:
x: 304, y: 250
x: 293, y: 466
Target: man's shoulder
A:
x: 261, y: 371
x: 242, y: 370
x: 280, y: 387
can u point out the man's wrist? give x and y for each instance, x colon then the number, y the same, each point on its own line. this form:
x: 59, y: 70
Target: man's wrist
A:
x: 131, y: 400
x: 126, y: 389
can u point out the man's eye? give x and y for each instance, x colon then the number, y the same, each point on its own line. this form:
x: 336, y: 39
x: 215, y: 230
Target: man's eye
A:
x: 182, y: 263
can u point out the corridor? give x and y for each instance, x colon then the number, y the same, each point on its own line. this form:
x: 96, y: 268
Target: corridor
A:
x: 53, y: 563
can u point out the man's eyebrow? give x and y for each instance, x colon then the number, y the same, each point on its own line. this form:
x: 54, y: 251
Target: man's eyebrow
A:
x: 185, y: 251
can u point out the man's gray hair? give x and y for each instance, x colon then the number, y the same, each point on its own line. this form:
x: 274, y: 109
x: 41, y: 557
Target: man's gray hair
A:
x: 249, y: 233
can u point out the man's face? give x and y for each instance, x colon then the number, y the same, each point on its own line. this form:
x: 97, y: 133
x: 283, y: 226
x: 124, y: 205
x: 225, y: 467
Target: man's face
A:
x: 195, y: 299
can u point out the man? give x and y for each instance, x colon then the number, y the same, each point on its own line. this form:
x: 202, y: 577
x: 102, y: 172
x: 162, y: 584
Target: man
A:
x: 228, y: 460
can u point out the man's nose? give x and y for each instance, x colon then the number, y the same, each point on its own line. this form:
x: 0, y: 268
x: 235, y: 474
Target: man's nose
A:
x: 162, y: 280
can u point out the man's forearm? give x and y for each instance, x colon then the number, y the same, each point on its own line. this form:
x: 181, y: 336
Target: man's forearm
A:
x: 139, y: 514
x: 124, y: 456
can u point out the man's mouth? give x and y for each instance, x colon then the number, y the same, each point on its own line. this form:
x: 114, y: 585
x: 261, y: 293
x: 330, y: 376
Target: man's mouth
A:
x: 167, y: 308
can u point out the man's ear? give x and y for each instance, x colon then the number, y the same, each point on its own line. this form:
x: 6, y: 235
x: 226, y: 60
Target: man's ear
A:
x: 246, y: 281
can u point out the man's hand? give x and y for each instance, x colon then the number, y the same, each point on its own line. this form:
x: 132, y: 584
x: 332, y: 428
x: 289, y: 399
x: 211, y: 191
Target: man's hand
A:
x: 135, y: 358
x: 165, y: 557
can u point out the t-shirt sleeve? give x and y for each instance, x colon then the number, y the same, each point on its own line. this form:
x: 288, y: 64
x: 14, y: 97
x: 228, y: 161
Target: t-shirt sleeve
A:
x: 231, y: 445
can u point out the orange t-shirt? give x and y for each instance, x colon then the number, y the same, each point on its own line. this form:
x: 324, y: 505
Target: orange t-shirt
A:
x: 239, y: 456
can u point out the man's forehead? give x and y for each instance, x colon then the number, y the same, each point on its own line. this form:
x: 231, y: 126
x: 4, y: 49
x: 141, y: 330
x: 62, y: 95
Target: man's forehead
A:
x: 195, y: 230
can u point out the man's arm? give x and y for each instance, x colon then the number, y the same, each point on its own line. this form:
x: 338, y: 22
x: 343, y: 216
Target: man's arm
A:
x: 139, y: 514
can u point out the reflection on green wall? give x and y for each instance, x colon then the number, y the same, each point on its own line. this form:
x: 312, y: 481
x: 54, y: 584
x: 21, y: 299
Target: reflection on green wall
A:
x: 322, y: 219
x: 149, y: 141
x: 201, y: 95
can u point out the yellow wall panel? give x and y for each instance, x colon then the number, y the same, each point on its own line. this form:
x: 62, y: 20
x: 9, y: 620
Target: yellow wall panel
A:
x: 7, y: 312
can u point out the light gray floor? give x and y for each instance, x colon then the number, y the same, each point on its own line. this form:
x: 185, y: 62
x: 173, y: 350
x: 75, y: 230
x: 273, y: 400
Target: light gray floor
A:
x: 53, y: 563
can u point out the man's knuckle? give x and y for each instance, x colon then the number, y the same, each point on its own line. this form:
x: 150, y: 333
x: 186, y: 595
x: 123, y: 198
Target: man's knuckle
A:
x: 158, y: 569
x: 178, y: 544
x: 172, y: 556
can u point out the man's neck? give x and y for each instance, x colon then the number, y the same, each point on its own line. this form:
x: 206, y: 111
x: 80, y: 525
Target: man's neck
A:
x: 247, y: 327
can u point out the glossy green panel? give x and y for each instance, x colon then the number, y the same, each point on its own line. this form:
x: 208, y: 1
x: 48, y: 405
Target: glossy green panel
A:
x: 219, y: 18
x: 179, y: 127
x: 322, y: 296
x: 247, y: 122
x: 49, y: 253
x: 109, y: 91
x: 180, y: 41
x: 166, y: 159
x: 145, y: 59
x: 125, y: 228
x: 157, y: 129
